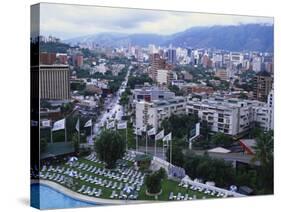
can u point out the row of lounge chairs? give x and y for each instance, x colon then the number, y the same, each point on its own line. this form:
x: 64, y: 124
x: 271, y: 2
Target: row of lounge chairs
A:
x: 122, y: 195
x: 181, y: 196
x: 90, y: 191
x: 123, y: 175
x: 53, y: 176
x: 93, y: 158
x: 203, y: 190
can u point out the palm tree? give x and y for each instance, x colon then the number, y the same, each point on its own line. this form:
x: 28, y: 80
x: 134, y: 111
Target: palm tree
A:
x: 264, y: 154
x: 264, y: 148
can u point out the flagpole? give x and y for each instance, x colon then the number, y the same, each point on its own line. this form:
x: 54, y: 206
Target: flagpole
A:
x: 136, y: 139
x: 170, y: 151
x: 65, y: 135
x: 163, y: 151
x: 146, y: 143
x: 127, y: 138
x: 79, y: 131
x: 51, y: 134
x: 155, y: 145
x: 91, y: 131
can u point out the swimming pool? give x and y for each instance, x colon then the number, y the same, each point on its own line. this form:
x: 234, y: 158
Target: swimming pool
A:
x: 50, y: 198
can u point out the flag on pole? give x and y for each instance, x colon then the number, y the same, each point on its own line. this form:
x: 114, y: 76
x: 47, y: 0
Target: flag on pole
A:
x: 168, y: 138
x: 110, y: 125
x: 137, y: 131
x: 77, y: 127
x: 143, y: 129
x: 122, y: 125
x: 88, y: 123
x: 160, y: 135
x: 152, y: 131
x: 46, y: 123
x: 59, y: 125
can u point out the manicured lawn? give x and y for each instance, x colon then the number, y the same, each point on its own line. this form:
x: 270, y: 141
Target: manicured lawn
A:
x: 167, y: 185
x: 172, y: 186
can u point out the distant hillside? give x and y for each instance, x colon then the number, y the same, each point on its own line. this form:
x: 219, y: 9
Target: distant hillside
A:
x: 253, y: 37
x: 54, y: 47
x: 235, y: 38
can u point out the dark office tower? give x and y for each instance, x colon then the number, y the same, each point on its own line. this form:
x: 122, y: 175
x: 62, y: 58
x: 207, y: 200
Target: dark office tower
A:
x: 262, y: 85
x: 54, y: 82
x: 172, y: 56
x: 189, y: 51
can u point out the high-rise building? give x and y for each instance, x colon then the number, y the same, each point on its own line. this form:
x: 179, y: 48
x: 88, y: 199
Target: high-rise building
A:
x: 172, y: 56
x: 270, y: 104
x: 164, y: 76
x: 236, y: 58
x: 62, y: 58
x: 230, y: 116
x: 54, y: 82
x: 262, y: 85
x: 47, y: 58
x: 153, y: 113
x: 256, y: 64
x: 78, y: 60
x: 223, y: 74
x: 156, y: 63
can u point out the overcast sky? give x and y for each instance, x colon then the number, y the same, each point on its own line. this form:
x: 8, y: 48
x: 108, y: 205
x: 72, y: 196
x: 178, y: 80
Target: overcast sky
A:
x: 69, y: 21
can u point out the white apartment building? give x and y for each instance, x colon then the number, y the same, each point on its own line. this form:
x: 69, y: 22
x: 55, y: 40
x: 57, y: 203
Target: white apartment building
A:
x: 230, y: 116
x: 163, y: 76
x: 153, y: 113
x: 270, y: 104
x: 236, y: 58
x: 264, y: 114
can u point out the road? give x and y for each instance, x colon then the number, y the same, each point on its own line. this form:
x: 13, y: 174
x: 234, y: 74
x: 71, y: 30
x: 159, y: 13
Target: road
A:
x: 150, y: 150
x: 239, y: 157
x: 116, y: 110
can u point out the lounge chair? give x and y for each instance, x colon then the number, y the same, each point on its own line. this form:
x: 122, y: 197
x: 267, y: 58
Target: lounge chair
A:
x: 81, y: 189
x: 171, y: 195
x: 92, y: 192
x: 99, y: 193
x: 112, y: 194
x: 87, y: 190
x: 179, y: 196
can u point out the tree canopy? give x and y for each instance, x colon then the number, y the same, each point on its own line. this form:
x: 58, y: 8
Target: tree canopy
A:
x: 153, y: 181
x: 180, y: 125
x: 110, y: 147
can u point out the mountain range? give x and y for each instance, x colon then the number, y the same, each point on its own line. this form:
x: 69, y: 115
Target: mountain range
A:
x: 248, y: 37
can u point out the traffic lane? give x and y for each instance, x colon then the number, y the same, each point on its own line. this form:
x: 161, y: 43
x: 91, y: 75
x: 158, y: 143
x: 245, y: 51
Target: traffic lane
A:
x: 229, y: 156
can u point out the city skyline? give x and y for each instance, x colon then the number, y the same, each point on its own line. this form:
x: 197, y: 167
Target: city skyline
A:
x: 70, y: 21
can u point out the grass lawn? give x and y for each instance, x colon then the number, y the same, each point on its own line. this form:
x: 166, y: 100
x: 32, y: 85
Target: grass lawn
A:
x: 167, y: 185
x: 172, y: 186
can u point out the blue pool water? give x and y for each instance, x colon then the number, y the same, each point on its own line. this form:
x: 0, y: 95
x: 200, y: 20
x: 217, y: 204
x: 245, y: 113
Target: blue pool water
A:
x: 45, y: 197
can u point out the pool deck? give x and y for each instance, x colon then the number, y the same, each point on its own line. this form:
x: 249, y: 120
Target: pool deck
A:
x: 81, y: 197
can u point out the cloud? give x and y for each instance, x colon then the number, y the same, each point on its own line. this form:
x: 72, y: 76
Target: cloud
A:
x: 67, y: 21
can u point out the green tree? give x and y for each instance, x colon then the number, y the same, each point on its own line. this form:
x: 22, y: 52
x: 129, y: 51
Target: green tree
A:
x: 43, y: 145
x: 264, y: 148
x: 75, y: 142
x: 180, y: 125
x: 153, y: 181
x: 264, y: 154
x: 221, y: 139
x: 177, y: 154
x: 138, y: 80
x: 110, y: 147
x: 176, y: 90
